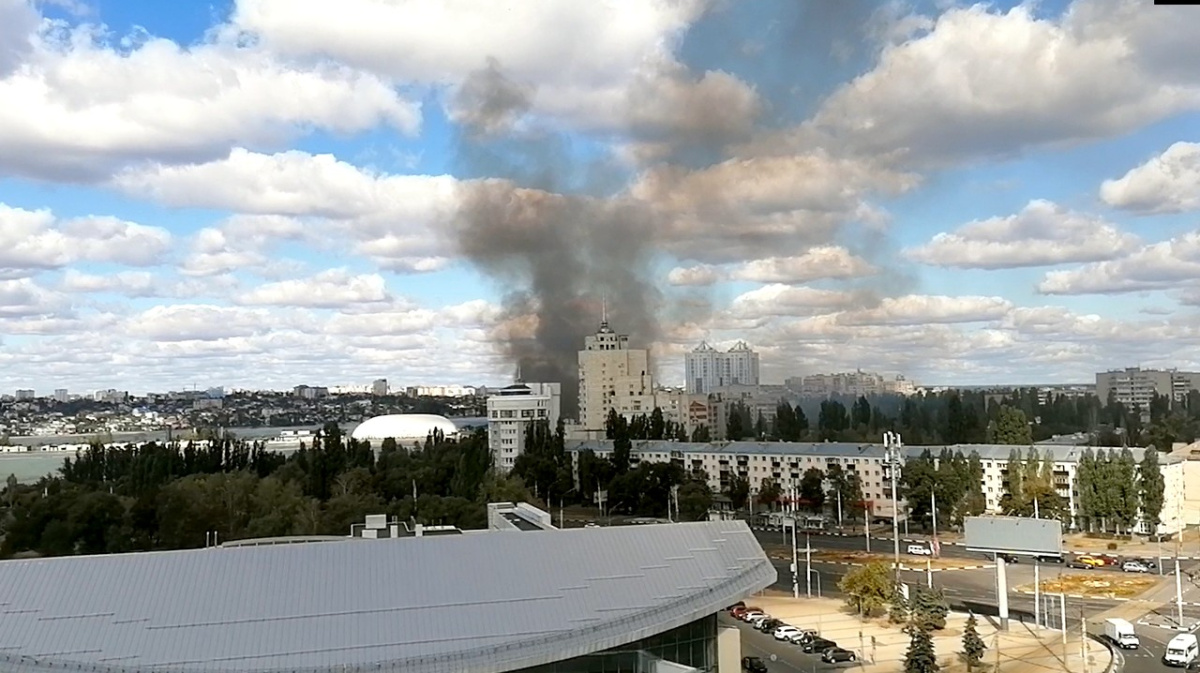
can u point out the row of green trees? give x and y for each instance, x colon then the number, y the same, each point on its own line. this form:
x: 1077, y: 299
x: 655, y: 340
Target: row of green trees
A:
x: 156, y: 496
x: 1019, y: 417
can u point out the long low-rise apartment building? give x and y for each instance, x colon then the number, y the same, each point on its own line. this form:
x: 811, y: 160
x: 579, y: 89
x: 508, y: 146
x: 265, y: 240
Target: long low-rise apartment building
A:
x: 786, y: 462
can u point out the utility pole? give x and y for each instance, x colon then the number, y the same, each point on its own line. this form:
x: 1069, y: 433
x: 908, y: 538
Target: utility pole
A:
x: 891, y: 452
x: 808, y: 564
x: 1178, y: 575
x: 795, y: 563
x: 933, y: 508
x: 1037, y: 579
x: 839, y: 500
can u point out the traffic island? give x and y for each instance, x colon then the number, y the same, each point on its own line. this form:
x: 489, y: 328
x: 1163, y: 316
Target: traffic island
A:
x: 1093, y: 585
x: 881, y: 646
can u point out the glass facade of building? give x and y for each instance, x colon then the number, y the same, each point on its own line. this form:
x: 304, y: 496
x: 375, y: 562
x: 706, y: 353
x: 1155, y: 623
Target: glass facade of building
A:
x: 693, y: 644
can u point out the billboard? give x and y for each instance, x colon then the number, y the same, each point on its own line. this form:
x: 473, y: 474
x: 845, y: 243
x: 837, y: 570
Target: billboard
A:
x: 1013, y: 534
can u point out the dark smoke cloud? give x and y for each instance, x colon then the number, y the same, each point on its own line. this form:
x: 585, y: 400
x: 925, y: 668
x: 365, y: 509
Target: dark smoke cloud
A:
x: 535, y: 228
x: 561, y: 231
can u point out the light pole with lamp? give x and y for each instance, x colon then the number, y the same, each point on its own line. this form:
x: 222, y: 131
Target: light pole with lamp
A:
x: 891, y: 456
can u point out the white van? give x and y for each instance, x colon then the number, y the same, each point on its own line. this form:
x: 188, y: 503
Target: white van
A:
x: 1182, y: 650
x: 919, y: 550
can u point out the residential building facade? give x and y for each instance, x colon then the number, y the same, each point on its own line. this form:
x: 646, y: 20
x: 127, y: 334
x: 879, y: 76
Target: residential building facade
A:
x: 1134, y: 386
x: 512, y: 410
x: 610, y: 375
x: 853, y: 384
x: 706, y: 368
x: 786, y: 462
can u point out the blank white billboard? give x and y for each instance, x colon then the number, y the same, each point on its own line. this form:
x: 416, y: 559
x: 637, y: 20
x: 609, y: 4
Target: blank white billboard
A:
x: 1014, y: 534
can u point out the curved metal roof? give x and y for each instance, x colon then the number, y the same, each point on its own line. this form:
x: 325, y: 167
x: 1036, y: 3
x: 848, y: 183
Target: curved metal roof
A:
x: 484, y: 602
x: 403, y: 426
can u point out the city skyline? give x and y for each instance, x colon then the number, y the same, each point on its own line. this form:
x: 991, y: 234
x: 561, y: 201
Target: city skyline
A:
x: 238, y: 194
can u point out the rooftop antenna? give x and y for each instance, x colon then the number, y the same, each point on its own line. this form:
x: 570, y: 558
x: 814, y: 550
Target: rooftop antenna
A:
x: 519, y: 379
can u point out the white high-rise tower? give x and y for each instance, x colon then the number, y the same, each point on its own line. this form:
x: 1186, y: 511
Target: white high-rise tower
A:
x: 707, y: 368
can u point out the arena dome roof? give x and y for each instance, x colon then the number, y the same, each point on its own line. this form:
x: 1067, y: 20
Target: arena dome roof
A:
x: 403, y: 426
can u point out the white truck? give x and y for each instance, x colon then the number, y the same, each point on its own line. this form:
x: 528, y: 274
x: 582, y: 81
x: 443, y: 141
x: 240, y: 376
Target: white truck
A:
x: 1121, y: 633
x: 1182, y: 650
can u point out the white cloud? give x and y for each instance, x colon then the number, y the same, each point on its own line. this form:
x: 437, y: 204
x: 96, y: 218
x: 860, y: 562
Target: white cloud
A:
x: 784, y: 300
x: 702, y: 275
x: 579, y: 57
x: 985, y: 83
x: 1042, y: 234
x: 128, y: 283
x: 329, y: 289
x: 22, y: 298
x: 1159, y: 266
x: 391, y: 219
x: 929, y: 309
x: 79, y: 107
x: 31, y: 241
x: 1168, y: 183
x: 822, y: 262
x: 201, y: 322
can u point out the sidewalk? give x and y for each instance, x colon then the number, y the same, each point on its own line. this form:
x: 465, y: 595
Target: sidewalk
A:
x: 881, y: 646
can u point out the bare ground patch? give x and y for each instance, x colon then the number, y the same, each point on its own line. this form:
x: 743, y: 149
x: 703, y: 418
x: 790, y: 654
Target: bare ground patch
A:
x: 1116, y: 586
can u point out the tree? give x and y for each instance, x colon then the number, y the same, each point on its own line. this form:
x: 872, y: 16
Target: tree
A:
x: 734, y: 430
x: 929, y: 609
x: 738, y: 491
x: 920, y: 657
x: 1126, y: 479
x: 812, y: 489
x: 1012, y: 427
x: 1150, y: 489
x: 898, y: 609
x: 769, y: 492
x: 700, y: 433
x: 973, y: 647
x: 867, y: 588
x: 658, y: 425
x: 695, y: 499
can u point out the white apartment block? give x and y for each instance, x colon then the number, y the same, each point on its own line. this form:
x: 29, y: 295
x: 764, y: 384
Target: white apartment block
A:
x: 441, y: 391
x: 512, y: 410
x: 1134, y: 386
x: 611, y: 374
x: 858, y: 383
x: 706, y: 368
x: 786, y: 462
x: 61, y: 395
x: 379, y: 387
x: 25, y: 394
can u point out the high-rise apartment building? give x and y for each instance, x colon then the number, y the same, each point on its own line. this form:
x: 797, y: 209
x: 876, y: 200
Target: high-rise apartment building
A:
x: 512, y: 410
x: 1134, y: 386
x: 61, y: 395
x: 707, y: 368
x: 850, y: 383
x: 379, y: 387
x: 25, y: 395
x: 610, y: 370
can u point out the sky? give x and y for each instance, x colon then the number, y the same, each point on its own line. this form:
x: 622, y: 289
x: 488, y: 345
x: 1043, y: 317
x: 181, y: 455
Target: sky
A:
x: 268, y: 193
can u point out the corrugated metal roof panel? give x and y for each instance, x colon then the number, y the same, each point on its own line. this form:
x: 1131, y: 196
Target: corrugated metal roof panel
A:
x: 485, y: 602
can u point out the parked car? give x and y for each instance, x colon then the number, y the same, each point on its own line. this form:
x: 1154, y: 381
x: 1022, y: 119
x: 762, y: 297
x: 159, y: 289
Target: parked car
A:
x: 749, y: 617
x: 1080, y: 565
x: 1134, y: 567
x: 802, y: 637
x: 1149, y: 563
x: 735, y: 606
x: 919, y: 550
x: 759, y: 621
x: 1051, y: 559
x: 817, y: 645
x: 754, y: 665
x: 1007, y: 558
x: 785, y: 632
x: 1091, y: 561
x: 769, y: 625
x: 836, y: 655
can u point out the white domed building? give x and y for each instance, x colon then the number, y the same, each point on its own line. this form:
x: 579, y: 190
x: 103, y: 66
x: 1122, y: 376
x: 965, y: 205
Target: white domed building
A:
x: 404, y: 428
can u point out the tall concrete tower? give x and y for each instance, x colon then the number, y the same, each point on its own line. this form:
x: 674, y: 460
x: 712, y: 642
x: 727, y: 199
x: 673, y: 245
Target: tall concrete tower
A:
x: 609, y: 370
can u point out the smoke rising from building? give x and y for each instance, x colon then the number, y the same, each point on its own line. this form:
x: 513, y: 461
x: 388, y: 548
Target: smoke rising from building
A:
x: 561, y: 231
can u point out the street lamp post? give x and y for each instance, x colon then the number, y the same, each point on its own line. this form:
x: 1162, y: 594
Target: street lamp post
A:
x: 891, y: 456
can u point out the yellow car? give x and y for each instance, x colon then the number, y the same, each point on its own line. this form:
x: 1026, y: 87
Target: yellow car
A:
x: 1091, y: 561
